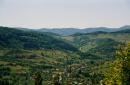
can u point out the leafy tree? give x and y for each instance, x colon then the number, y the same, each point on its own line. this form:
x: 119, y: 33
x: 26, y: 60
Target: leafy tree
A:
x: 4, y: 71
x: 4, y: 82
x: 119, y: 72
x: 57, y: 79
x: 38, y: 79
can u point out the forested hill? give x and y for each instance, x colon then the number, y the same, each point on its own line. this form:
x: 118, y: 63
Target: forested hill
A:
x: 12, y: 38
x: 100, y: 43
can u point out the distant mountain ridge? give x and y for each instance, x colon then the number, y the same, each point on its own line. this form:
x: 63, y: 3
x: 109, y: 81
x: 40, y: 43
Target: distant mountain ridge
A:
x: 71, y: 31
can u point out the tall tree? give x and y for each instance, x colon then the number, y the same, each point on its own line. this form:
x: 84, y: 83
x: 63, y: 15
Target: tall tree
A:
x: 119, y: 72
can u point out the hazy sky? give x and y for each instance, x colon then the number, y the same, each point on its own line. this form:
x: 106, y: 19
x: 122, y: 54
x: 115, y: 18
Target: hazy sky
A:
x: 64, y: 13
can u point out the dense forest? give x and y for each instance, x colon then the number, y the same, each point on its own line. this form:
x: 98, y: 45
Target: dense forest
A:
x: 32, y: 57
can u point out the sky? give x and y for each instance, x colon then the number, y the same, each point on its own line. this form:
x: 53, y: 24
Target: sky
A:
x: 64, y: 13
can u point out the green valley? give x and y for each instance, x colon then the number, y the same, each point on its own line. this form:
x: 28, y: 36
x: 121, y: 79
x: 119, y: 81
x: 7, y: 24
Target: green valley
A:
x: 30, y: 57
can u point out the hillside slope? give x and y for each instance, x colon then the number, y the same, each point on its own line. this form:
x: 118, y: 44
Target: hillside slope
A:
x: 18, y: 39
x: 100, y: 43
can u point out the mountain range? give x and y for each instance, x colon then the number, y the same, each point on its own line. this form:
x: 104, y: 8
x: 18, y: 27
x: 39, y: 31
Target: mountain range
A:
x: 70, y: 31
